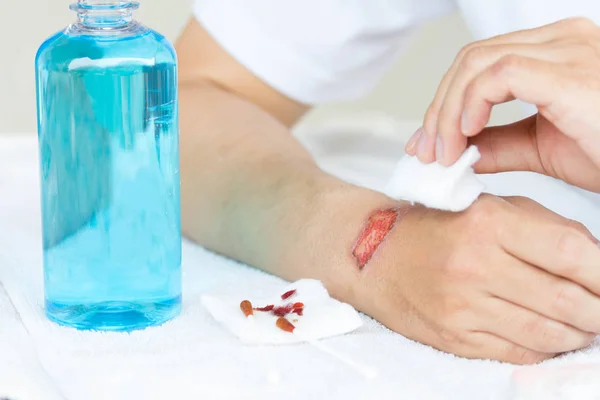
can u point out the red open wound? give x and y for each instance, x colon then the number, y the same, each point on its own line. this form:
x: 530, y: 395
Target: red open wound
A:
x: 378, y: 226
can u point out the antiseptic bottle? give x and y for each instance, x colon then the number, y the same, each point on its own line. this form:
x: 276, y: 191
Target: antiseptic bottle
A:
x: 109, y: 168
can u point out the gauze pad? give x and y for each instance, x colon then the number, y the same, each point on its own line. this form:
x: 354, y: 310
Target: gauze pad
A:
x: 452, y: 188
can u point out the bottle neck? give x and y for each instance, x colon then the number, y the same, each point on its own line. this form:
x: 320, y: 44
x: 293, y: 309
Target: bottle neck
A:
x: 104, y: 14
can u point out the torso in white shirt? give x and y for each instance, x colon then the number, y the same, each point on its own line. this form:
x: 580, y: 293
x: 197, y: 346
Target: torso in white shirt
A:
x: 317, y: 51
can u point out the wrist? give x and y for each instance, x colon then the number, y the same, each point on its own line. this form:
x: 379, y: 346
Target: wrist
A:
x: 332, y: 243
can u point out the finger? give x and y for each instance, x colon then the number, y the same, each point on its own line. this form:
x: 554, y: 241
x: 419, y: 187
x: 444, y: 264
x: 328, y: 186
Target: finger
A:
x: 514, y: 147
x: 449, y: 128
x: 484, y: 345
x: 532, y: 207
x: 532, y: 330
x: 527, y: 36
x: 425, y: 147
x: 548, y: 298
x: 510, y: 147
x: 513, y: 77
x: 561, y: 250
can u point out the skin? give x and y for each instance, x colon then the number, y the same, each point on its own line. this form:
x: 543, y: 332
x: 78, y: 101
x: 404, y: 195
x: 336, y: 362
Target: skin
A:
x: 250, y: 191
x: 557, y: 68
x: 379, y: 225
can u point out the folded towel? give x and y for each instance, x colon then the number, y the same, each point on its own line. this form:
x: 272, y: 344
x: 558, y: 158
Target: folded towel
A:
x: 452, y: 188
x: 573, y: 381
x: 194, y: 357
x: 21, y: 375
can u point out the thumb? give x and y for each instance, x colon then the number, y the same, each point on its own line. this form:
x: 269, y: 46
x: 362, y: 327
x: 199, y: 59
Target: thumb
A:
x: 510, y: 147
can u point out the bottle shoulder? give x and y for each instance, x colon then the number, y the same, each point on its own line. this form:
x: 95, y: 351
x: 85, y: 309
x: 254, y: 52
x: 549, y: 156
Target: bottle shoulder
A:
x: 62, y: 48
x: 48, y: 44
x: 166, y: 44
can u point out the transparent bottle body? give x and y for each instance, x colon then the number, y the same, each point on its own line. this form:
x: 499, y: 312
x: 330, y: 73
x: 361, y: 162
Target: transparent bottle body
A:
x: 109, y: 168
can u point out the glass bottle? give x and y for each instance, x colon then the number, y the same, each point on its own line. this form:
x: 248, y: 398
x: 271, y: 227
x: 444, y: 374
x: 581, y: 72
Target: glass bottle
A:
x: 109, y: 164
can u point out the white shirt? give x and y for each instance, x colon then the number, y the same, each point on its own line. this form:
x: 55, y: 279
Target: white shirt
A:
x: 317, y: 51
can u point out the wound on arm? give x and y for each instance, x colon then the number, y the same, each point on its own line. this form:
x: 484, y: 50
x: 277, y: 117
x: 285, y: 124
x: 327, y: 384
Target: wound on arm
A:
x: 377, y: 228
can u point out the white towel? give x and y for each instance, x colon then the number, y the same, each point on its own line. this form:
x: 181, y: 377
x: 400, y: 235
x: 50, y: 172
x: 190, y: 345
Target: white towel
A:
x: 21, y: 375
x: 572, y: 381
x: 193, y: 357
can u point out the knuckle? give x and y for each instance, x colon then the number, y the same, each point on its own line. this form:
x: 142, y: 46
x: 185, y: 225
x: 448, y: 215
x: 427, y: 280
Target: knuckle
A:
x: 472, y: 57
x: 461, y: 266
x: 586, y: 53
x: 534, y: 326
x: 567, y: 298
x: 450, y: 339
x: 581, y: 24
x: 450, y: 318
x: 486, y: 210
x: 465, y: 50
x: 452, y: 306
x: 578, y: 226
x: 520, y: 355
x: 507, y: 65
x: 553, y: 338
x: 520, y: 200
x: 569, y: 245
x: 559, y: 339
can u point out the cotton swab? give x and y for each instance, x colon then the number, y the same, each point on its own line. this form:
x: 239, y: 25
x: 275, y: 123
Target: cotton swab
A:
x: 366, y: 371
x: 287, y: 326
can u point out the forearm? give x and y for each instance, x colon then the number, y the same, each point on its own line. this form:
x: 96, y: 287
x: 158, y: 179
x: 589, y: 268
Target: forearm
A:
x: 251, y: 192
x: 237, y: 163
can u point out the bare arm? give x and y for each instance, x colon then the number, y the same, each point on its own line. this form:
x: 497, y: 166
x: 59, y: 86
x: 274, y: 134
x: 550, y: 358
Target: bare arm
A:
x: 249, y: 189
x: 459, y: 282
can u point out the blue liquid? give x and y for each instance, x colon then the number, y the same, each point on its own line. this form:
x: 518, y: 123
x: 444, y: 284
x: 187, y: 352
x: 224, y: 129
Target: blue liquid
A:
x: 109, y: 160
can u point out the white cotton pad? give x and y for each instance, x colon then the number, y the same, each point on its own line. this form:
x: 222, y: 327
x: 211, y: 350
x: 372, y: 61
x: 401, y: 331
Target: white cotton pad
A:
x: 452, y: 188
x: 323, y: 316
x: 87, y: 62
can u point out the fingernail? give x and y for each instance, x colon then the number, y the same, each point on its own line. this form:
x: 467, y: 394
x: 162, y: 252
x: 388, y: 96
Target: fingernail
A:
x: 422, y: 145
x: 464, y: 123
x: 412, y: 142
x: 439, y: 149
